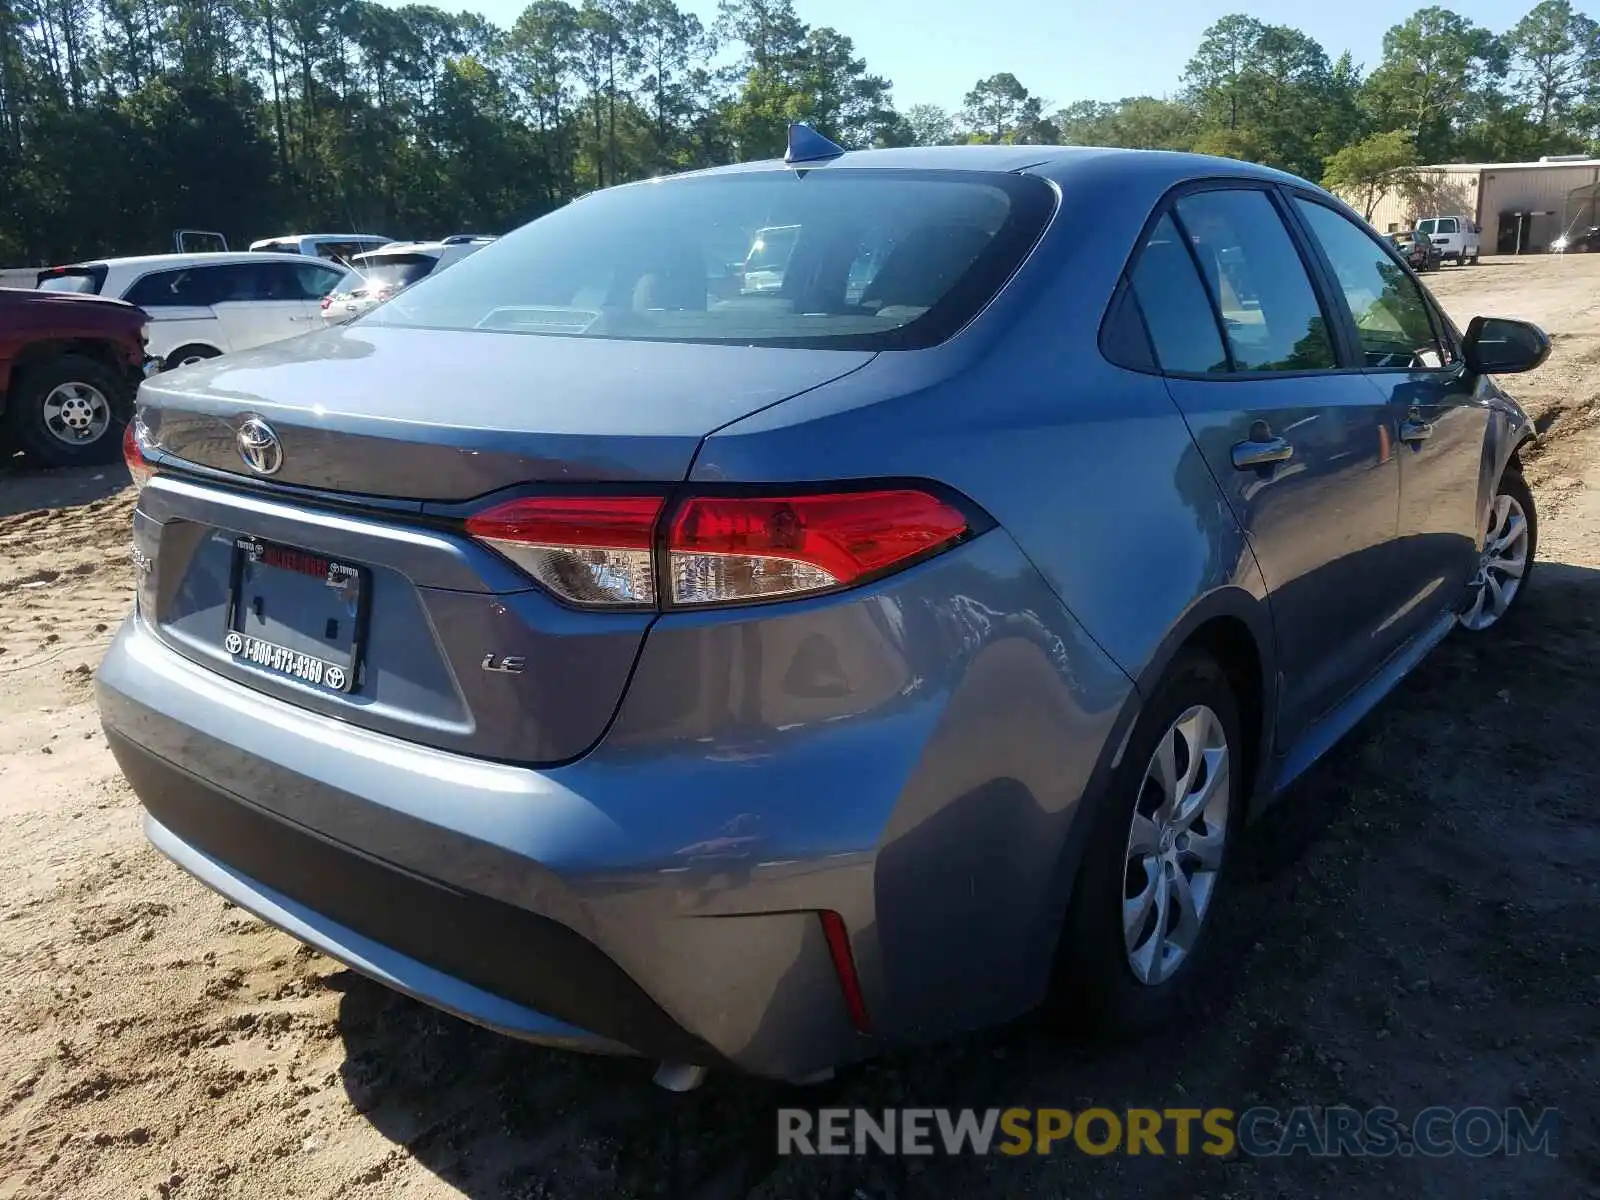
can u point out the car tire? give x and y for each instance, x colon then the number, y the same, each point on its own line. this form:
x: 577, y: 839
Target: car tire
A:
x: 1507, y: 561
x: 70, y: 411
x: 1099, y: 985
x: 185, y: 355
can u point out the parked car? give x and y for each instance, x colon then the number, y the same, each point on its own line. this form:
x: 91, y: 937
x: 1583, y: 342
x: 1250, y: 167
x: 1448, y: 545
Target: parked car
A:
x: 69, y: 366
x: 1579, y: 241
x: 1417, y: 249
x: 203, y: 305
x: 1458, y: 238
x: 339, y: 247
x: 774, y: 680
x: 379, y: 274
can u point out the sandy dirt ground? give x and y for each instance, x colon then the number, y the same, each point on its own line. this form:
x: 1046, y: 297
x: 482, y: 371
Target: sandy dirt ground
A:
x: 1416, y: 927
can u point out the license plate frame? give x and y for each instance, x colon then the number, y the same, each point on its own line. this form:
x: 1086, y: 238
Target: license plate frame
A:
x: 285, y: 662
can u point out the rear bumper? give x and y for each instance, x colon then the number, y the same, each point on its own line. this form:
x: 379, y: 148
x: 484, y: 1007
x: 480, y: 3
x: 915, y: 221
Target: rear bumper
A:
x: 371, y: 958
x: 911, y: 757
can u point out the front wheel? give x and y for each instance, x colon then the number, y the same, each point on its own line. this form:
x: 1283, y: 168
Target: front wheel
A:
x: 1155, y: 867
x: 1505, y: 564
x: 70, y: 411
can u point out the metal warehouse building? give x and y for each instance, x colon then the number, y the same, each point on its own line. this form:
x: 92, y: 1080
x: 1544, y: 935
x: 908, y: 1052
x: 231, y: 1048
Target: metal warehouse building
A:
x: 1520, y: 207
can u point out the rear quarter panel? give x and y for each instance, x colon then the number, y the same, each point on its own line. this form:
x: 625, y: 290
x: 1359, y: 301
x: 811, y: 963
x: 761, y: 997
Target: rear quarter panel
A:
x: 1091, y: 471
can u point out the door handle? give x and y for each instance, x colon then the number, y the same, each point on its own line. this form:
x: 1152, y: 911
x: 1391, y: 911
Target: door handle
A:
x: 1415, y: 431
x: 1263, y: 452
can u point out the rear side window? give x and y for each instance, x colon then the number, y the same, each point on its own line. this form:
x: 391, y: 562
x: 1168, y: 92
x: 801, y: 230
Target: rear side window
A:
x: 394, y: 270
x: 831, y: 259
x: 168, y: 289
x: 84, y: 281
x: 1254, y: 274
x: 1388, y: 308
x: 1182, y: 325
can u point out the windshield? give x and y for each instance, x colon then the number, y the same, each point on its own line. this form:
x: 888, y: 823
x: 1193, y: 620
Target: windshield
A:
x: 836, y: 259
x: 390, y: 270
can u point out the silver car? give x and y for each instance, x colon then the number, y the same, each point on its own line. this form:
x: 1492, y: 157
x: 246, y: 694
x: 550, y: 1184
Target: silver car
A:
x: 772, y: 678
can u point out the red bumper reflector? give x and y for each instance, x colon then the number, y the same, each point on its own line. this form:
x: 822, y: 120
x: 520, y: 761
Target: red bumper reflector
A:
x: 844, y: 965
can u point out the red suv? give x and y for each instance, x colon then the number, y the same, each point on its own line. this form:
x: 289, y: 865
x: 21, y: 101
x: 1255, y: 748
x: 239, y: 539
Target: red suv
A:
x: 70, y: 366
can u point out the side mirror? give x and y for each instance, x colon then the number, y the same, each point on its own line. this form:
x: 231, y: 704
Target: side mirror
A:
x: 1500, y: 346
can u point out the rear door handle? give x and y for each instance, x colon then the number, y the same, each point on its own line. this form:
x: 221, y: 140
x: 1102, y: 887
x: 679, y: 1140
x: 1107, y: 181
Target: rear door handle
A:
x: 1263, y: 453
x: 1415, y: 431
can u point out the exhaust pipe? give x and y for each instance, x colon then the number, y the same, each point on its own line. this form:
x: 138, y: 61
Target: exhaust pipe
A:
x: 679, y: 1077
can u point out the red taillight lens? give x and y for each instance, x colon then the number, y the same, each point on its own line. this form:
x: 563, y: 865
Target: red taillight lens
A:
x: 591, y: 550
x: 133, y: 454
x: 844, y: 966
x: 728, y: 549
x: 602, y: 550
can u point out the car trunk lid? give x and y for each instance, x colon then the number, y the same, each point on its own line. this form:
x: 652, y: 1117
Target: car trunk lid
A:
x: 354, y: 605
x: 449, y: 415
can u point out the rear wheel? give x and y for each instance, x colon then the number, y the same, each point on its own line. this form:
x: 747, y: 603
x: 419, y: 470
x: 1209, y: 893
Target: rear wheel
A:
x: 1155, y: 867
x: 185, y: 356
x: 70, y: 411
x: 1506, y: 562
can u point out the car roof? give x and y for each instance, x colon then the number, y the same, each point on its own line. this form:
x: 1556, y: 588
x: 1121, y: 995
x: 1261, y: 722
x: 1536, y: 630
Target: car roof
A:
x: 296, y: 237
x: 406, y: 248
x: 1053, y: 161
x: 217, y: 258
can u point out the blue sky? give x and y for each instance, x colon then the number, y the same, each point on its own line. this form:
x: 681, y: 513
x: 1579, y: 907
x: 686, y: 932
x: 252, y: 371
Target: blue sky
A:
x: 934, y: 50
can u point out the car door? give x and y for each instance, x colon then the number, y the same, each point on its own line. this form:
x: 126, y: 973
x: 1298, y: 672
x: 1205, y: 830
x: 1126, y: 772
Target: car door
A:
x: 178, y: 303
x: 1297, y: 438
x: 257, y: 303
x: 1411, y: 357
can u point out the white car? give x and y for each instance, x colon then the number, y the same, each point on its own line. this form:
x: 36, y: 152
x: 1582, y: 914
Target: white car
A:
x: 1459, y: 239
x: 379, y: 274
x: 340, y: 247
x: 204, y: 305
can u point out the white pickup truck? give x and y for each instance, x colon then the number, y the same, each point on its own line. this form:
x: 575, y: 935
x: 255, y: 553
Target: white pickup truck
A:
x: 1457, y: 238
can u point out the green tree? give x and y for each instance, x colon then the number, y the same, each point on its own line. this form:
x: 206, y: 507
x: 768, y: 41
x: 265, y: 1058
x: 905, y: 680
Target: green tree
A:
x: 1366, y: 171
x: 1555, y: 56
x: 931, y: 125
x: 1433, y: 64
x: 999, y: 110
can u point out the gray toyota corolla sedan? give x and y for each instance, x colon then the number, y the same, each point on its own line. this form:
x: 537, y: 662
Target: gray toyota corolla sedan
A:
x: 631, y: 657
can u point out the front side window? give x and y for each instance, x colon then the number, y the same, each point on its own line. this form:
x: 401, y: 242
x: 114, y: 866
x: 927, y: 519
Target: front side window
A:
x: 1269, y: 309
x: 1426, y: 226
x: 308, y: 281
x: 1388, y: 307
x: 837, y: 258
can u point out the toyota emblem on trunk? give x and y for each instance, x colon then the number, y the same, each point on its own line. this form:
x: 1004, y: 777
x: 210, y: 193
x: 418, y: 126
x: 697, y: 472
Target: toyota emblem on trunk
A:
x: 259, y: 447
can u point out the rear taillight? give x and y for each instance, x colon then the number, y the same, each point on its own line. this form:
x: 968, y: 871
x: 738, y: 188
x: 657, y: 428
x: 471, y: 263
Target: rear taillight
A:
x: 587, y: 550
x: 609, y: 551
x: 726, y: 549
x: 133, y: 454
x: 327, y: 302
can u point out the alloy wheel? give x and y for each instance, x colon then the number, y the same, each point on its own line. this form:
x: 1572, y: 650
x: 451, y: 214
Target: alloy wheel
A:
x: 1175, y: 845
x: 1501, y: 565
x: 76, y: 413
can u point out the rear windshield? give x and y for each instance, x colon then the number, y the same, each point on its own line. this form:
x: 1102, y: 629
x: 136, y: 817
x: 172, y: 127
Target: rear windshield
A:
x: 85, y: 281
x: 837, y: 259
x: 391, y: 270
